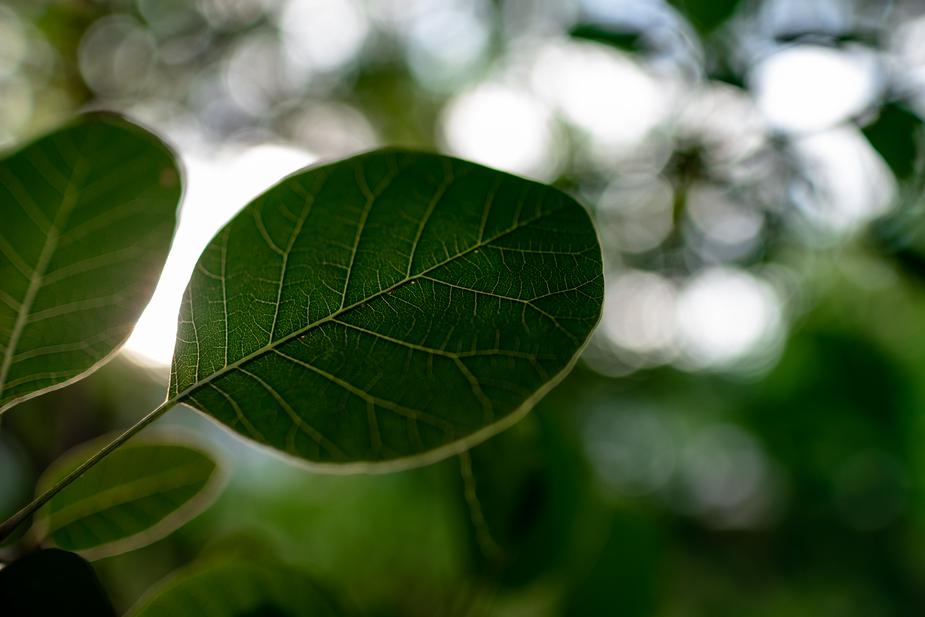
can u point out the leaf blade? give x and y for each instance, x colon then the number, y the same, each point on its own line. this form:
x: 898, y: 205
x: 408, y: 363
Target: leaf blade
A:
x: 89, y: 211
x: 453, y: 279
x: 138, y: 494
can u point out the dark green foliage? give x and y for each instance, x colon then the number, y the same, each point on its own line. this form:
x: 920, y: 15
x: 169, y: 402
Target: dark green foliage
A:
x: 394, y: 307
x: 897, y: 134
x: 706, y: 15
x: 627, y: 40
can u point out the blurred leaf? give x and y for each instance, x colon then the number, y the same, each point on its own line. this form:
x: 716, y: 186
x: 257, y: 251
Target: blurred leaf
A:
x: 88, y: 214
x: 706, y: 15
x: 137, y: 495
x: 901, y: 235
x: 234, y: 587
x: 624, y: 572
x: 52, y: 582
x: 526, y: 487
x: 897, y: 135
x: 390, y: 308
x: 827, y: 35
x: 832, y: 378
x: 626, y: 40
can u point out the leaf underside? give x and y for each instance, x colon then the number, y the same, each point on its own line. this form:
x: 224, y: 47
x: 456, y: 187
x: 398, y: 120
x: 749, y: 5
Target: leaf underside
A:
x: 135, y: 496
x: 86, y: 217
x: 393, y: 307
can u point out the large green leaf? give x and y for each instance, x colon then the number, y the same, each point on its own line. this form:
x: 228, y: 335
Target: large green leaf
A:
x: 138, y: 494
x: 235, y: 588
x: 52, y: 582
x: 394, y: 307
x: 86, y: 217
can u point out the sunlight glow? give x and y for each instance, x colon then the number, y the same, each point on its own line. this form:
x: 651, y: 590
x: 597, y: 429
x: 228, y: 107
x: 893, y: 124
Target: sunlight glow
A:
x: 908, y: 51
x: 604, y: 93
x: 639, y: 314
x: 724, y: 227
x: 502, y: 127
x: 216, y: 189
x: 13, y: 44
x: 809, y: 88
x: 726, y: 316
x: 446, y: 40
x: 322, y: 35
x: 634, y: 213
x: 724, y: 477
x: 851, y: 183
x: 633, y: 451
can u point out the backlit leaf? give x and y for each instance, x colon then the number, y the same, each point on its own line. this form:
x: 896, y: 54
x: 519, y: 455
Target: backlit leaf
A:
x: 86, y: 217
x: 393, y: 308
x: 136, y: 495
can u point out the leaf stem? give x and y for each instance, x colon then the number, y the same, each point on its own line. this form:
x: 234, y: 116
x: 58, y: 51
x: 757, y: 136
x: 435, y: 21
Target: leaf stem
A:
x: 9, y: 526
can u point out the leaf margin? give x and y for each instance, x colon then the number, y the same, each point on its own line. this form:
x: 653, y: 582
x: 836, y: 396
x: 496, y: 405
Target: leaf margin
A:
x: 139, y: 128
x: 189, y: 510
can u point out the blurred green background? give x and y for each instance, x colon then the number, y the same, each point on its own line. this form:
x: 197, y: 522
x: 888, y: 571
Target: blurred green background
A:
x: 743, y: 434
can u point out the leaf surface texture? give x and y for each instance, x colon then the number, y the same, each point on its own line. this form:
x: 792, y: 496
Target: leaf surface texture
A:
x: 87, y: 216
x: 136, y: 495
x: 395, y: 307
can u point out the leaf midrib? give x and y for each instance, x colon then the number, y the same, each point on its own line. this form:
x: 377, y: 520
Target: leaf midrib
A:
x: 68, y: 201
x: 269, y: 347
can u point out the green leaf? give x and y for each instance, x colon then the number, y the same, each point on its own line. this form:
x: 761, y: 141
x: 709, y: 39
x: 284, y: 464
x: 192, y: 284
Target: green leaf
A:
x: 135, y: 496
x: 524, y: 491
x: 235, y: 588
x: 706, y: 15
x: 88, y: 213
x: 898, y: 134
x: 52, y: 582
x: 391, y: 308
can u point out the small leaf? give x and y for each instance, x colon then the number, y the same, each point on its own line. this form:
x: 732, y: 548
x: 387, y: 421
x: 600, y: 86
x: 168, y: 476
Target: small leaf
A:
x: 135, y: 496
x: 706, y: 15
x: 622, y: 38
x: 898, y: 134
x: 235, y: 588
x: 52, y: 582
x: 391, y: 308
x: 87, y: 216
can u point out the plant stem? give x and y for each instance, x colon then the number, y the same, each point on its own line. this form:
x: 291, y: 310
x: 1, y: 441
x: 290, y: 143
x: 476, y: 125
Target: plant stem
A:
x: 10, y: 525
